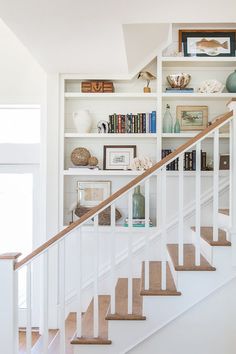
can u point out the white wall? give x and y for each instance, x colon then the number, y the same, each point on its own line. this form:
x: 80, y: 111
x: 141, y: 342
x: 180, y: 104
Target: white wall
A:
x: 22, y: 80
x: 202, y: 329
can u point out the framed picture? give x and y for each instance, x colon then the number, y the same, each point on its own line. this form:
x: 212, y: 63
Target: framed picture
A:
x: 92, y: 193
x: 192, y: 117
x: 207, y: 43
x: 118, y: 157
x: 224, y: 162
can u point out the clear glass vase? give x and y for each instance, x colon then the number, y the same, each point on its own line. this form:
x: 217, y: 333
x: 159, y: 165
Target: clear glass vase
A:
x: 167, y: 121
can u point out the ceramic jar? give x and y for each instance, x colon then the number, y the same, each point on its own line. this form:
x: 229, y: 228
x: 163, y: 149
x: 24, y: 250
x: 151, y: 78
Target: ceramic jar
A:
x: 82, y: 121
x: 231, y: 82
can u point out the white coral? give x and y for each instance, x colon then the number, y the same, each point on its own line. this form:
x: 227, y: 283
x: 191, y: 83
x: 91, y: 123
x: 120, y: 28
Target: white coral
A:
x: 141, y: 163
x: 211, y: 86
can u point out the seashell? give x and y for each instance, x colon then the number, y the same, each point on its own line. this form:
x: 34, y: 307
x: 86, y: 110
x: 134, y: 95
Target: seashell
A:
x: 80, y: 156
x: 211, y: 86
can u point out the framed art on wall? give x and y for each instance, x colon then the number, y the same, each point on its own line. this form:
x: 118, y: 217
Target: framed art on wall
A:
x: 91, y: 193
x: 206, y: 43
x: 192, y: 117
x: 118, y: 157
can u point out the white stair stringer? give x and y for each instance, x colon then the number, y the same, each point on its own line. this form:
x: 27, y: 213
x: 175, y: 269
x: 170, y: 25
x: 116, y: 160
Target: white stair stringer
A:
x: 161, y: 310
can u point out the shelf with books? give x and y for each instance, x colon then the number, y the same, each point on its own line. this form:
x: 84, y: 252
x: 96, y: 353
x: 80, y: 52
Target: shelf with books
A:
x: 111, y: 135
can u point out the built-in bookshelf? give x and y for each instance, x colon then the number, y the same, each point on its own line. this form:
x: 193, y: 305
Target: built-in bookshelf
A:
x: 128, y: 99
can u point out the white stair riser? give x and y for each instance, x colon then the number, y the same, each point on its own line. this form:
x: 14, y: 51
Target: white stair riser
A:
x: 223, y: 221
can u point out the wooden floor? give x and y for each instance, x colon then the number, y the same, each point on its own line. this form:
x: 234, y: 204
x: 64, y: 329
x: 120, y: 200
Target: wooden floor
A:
x: 155, y: 279
x: 121, y: 301
x: 189, y: 259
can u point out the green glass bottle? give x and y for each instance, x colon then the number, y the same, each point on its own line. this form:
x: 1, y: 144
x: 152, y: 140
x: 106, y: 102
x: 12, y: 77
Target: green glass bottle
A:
x: 138, y: 204
x: 167, y: 121
x: 177, y: 126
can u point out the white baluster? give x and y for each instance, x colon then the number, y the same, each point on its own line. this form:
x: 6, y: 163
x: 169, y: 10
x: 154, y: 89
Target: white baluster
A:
x: 28, y: 307
x: 130, y: 260
x: 9, y: 305
x: 181, y: 211
x: 216, y: 185
x: 62, y: 295
x: 230, y: 167
x: 113, y: 247
x: 147, y: 216
x: 164, y: 230
x: 96, y: 275
x: 198, y: 204
x: 232, y: 107
x: 79, y: 284
x: 45, y: 302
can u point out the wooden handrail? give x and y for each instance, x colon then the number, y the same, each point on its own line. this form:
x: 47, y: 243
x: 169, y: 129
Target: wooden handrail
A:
x: 191, y: 142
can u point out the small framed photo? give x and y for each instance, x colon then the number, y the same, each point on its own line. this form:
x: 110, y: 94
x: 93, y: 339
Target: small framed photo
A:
x: 192, y: 117
x: 92, y: 193
x: 118, y: 157
x: 207, y: 43
x: 224, y: 162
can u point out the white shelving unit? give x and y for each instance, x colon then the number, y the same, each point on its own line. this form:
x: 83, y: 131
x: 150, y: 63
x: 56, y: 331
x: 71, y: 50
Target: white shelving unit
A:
x: 129, y: 97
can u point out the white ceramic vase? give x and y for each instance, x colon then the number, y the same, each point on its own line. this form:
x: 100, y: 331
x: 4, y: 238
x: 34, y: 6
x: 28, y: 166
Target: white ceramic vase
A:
x: 82, y: 121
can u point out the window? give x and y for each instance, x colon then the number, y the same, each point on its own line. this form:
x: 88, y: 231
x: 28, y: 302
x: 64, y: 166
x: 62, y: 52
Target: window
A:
x: 19, y: 125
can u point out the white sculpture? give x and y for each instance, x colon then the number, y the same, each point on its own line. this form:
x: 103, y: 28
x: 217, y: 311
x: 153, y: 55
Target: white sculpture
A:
x: 141, y: 163
x: 211, y: 86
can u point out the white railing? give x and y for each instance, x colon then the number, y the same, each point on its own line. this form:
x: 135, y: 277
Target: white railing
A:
x: 9, y: 267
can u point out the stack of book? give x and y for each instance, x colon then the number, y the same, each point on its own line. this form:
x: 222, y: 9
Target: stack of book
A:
x: 137, y: 222
x: 174, y: 165
x: 179, y: 90
x: 189, y: 161
x: 132, y: 123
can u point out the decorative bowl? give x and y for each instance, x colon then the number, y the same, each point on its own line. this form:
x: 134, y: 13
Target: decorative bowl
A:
x: 179, y: 81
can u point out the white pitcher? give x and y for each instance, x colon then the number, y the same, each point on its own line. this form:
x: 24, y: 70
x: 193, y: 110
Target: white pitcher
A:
x: 82, y: 121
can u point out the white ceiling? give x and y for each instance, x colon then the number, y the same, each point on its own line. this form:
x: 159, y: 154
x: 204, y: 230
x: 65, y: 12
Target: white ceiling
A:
x: 105, y: 36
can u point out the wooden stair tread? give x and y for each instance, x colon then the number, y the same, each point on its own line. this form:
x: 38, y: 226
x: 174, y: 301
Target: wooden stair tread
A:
x: 155, y: 281
x: 122, y: 301
x: 224, y: 211
x: 22, y: 340
x: 207, y: 235
x: 70, y: 328
x: 189, y: 259
x: 38, y: 347
x: 87, y: 324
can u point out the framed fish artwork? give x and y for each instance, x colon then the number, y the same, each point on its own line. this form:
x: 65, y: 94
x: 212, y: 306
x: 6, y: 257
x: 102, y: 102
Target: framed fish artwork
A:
x: 207, y: 43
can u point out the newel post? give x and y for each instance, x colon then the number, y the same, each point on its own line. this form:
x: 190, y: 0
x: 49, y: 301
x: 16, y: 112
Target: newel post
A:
x: 232, y: 194
x: 8, y: 304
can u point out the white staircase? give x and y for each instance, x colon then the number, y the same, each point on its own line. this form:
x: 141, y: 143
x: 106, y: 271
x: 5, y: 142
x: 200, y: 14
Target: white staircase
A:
x: 152, y: 293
